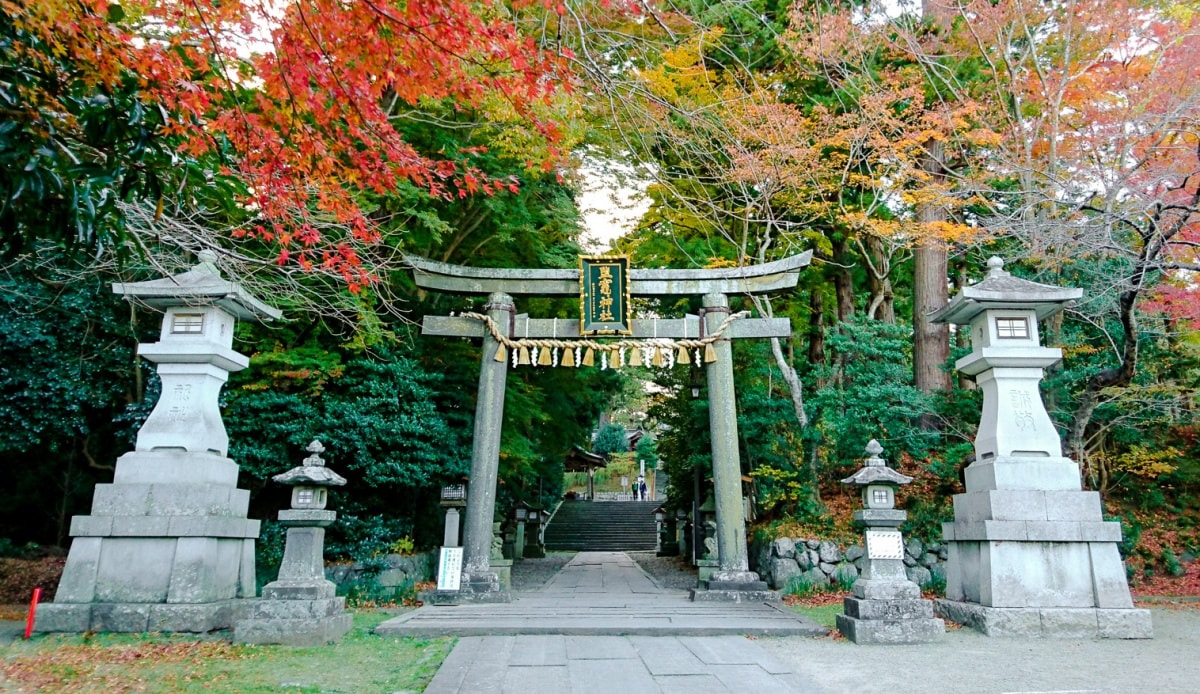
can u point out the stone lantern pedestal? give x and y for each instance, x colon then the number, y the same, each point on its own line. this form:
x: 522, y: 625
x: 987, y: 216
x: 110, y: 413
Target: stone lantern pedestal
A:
x: 168, y: 545
x: 300, y: 608
x: 885, y: 607
x: 1030, y: 553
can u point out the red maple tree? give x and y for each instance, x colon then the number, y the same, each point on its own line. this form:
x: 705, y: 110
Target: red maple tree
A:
x: 298, y: 100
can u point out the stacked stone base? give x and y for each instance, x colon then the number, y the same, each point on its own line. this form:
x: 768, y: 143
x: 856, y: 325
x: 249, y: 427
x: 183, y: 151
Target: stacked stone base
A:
x: 888, y: 611
x: 734, y: 586
x: 1049, y: 622
x: 1030, y: 554
x: 294, y: 613
x: 484, y: 587
x: 746, y: 596
x: 168, y: 547
x: 136, y: 617
x: 294, y: 622
x: 890, y: 631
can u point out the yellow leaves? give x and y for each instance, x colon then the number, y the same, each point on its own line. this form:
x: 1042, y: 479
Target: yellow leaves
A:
x: 716, y: 262
x: 1146, y: 462
x: 682, y: 78
x: 948, y: 231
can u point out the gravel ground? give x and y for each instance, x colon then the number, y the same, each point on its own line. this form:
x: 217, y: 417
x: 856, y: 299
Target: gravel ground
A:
x: 671, y: 573
x: 531, y: 574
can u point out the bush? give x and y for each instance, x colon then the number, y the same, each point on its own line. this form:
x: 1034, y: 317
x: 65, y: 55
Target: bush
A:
x: 1171, y: 562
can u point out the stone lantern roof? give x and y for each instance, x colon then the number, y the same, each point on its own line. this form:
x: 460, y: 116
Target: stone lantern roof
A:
x: 200, y: 286
x: 875, y: 471
x: 311, y: 471
x: 1001, y: 290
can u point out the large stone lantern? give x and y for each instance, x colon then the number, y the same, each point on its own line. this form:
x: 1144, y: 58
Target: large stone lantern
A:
x: 1029, y: 551
x: 168, y: 546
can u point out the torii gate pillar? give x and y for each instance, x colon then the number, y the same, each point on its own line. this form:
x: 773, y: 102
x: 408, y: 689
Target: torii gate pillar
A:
x: 478, y: 579
x: 734, y: 572
x: 726, y: 464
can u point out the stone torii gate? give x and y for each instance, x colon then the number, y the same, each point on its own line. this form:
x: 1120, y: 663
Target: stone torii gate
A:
x: 714, y: 286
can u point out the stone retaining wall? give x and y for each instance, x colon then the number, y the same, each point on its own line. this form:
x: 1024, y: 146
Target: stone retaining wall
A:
x: 391, y: 574
x: 822, y: 563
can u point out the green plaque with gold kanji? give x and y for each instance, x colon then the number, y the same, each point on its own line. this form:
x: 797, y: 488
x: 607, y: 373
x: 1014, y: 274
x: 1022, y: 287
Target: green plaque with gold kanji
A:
x: 604, y: 295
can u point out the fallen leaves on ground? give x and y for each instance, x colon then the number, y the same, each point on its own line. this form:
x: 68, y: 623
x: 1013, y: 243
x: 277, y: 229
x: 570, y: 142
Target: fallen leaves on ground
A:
x: 13, y: 613
x: 1163, y: 585
x: 103, y: 668
x: 816, y: 599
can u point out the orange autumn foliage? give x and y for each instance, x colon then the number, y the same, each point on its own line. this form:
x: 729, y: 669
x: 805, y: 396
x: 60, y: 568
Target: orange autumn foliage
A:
x: 298, y: 100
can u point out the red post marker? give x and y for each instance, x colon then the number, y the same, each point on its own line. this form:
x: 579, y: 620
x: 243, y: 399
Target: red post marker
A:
x: 37, y: 595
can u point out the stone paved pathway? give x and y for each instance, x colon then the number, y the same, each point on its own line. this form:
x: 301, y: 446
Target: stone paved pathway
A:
x: 601, y: 594
x: 602, y: 625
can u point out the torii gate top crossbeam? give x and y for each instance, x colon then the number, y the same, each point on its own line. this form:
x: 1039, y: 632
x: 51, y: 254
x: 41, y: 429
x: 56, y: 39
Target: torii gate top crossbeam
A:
x: 750, y: 279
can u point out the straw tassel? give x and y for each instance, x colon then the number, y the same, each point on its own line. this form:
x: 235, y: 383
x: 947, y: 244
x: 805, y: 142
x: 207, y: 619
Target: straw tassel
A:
x: 543, y: 356
x: 682, y: 357
x: 710, y: 354
x: 589, y: 357
x: 501, y: 354
x: 635, y: 356
x: 657, y: 358
x: 568, y: 357
x: 523, y: 357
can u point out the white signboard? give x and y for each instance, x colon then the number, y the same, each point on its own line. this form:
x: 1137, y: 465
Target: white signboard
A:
x: 884, y: 544
x: 450, y: 568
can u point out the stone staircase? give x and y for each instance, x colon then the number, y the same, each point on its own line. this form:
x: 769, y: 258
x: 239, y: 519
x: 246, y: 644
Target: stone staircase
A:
x: 602, y: 526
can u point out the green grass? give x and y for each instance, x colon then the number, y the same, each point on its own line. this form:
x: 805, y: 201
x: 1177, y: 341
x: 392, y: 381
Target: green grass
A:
x: 825, y: 615
x: 361, y: 662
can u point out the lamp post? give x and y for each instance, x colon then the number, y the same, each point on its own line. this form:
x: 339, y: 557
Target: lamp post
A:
x: 668, y: 545
x: 534, y: 543
x: 168, y: 545
x: 1030, y: 553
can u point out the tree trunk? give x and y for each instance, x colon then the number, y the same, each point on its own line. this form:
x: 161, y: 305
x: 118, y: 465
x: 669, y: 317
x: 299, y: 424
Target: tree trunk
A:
x: 843, y: 283
x: 816, y: 328
x: 931, y: 342
x: 879, y: 281
x: 962, y: 336
x: 790, y: 378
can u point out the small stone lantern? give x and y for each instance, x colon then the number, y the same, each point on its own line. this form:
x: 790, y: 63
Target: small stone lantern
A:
x: 453, y: 497
x: 885, y: 607
x: 301, y: 588
x: 707, y: 559
x: 668, y: 544
x: 520, y: 515
x: 535, y: 546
